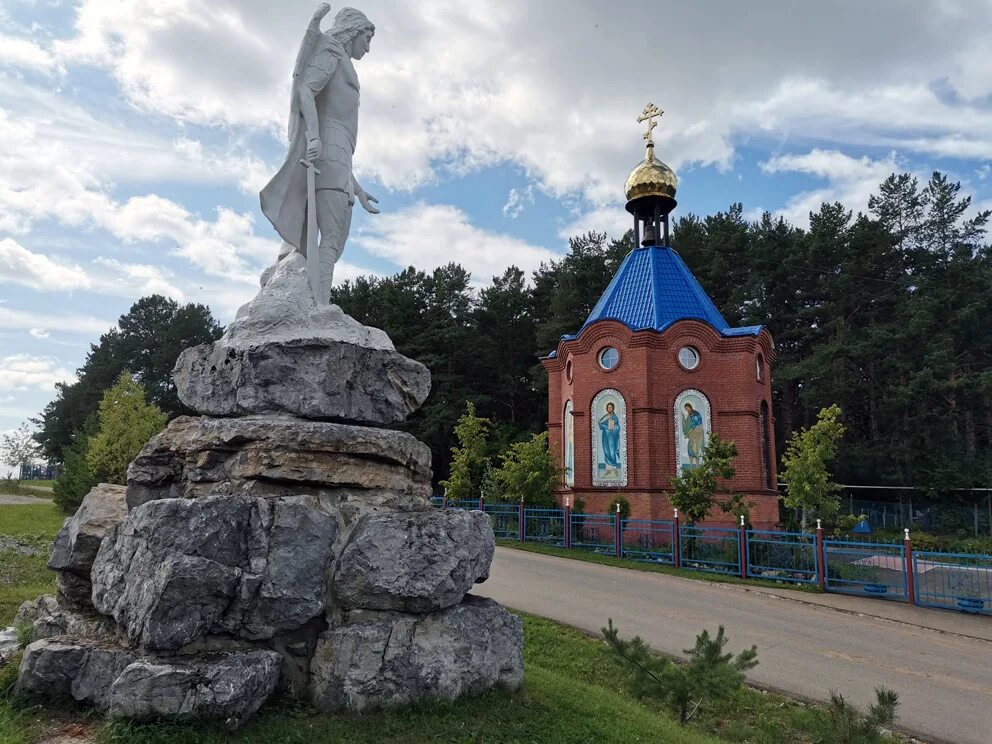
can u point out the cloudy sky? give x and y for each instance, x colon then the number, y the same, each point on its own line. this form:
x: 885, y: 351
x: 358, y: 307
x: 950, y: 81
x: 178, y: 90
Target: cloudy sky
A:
x: 135, y: 134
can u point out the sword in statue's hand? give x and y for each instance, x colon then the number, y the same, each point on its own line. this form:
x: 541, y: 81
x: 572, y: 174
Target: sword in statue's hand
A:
x: 313, y: 249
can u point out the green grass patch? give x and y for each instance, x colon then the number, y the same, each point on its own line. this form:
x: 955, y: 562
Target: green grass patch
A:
x: 24, y: 577
x: 38, y: 489
x: 609, y: 560
x: 31, y: 522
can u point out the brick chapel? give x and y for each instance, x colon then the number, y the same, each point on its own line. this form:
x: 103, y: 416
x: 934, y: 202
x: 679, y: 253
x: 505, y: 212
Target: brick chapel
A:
x: 635, y: 394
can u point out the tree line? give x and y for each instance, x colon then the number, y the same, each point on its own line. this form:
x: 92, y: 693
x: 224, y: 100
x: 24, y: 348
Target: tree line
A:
x: 883, y: 313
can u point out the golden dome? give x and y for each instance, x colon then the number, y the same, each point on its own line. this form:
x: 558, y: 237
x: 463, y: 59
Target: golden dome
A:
x: 651, y: 177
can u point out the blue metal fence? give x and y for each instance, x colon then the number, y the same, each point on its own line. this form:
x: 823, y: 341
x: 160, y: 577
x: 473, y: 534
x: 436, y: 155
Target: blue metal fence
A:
x: 875, y: 569
x: 545, y: 526
x: 782, y: 556
x: 595, y: 532
x: 506, y: 520
x: 713, y: 549
x: 958, y: 581
x: 651, y: 541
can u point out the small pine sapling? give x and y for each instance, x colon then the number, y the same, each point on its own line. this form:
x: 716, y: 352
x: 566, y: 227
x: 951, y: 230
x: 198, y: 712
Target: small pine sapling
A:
x: 847, y: 725
x: 709, y: 675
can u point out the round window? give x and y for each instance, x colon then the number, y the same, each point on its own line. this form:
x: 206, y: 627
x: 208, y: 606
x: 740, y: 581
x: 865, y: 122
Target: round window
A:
x: 609, y: 358
x: 688, y: 357
x: 568, y: 370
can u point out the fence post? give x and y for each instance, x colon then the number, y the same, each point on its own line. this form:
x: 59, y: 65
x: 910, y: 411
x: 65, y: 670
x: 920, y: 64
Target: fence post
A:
x: 618, y: 534
x: 742, y: 548
x: 910, y: 577
x: 482, y: 502
x: 568, y: 524
x: 676, y: 541
x: 444, y: 502
x: 821, y: 560
x: 521, y: 527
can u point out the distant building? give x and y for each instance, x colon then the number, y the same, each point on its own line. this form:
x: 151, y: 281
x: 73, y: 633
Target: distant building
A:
x: 655, y: 369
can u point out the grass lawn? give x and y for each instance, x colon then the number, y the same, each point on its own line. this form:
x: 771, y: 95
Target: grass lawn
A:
x: 39, y: 488
x: 609, y: 560
x: 574, y: 693
x: 24, y: 577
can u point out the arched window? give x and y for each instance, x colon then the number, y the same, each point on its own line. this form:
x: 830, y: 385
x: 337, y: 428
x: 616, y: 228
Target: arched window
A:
x: 569, y: 445
x: 609, y: 439
x: 692, y: 428
x: 760, y: 363
x: 766, y: 449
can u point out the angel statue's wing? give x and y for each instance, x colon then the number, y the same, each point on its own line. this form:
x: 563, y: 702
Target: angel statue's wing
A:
x: 302, y: 57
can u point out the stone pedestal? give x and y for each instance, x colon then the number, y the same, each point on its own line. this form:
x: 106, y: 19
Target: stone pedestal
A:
x: 278, y: 540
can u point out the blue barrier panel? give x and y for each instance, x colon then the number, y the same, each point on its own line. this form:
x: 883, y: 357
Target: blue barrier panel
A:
x: 437, y: 501
x: 865, y: 568
x: 593, y: 532
x: 959, y: 581
x: 465, y: 504
x: 648, y: 540
x: 545, y: 526
x: 505, y: 519
x: 781, y: 556
x: 713, y: 549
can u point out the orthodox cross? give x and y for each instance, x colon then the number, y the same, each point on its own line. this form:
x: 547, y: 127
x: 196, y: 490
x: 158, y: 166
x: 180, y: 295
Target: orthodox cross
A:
x: 650, y: 111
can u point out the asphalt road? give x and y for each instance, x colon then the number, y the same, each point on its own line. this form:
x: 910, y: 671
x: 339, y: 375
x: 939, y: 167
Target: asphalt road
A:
x: 944, y: 679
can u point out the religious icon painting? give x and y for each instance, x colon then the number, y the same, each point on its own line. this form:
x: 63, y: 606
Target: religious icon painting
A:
x: 569, y: 445
x: 692, y: 428
x: 609, y: 439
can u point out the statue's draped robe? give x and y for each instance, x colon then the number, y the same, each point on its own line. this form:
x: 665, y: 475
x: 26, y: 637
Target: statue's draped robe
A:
x: 284, y: 198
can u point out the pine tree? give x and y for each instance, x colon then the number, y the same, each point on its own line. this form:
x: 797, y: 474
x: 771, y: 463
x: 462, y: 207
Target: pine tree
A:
x: 710, y: 674
x: 127, y: 422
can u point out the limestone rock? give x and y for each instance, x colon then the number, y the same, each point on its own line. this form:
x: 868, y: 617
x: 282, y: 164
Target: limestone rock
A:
x: 414, y: 562
x: 78, y: 541
x: 285, y: 354
x: 394, y: 659
x: 117, y: 681
x: 65, y: 668
x: 175, y: 569
x: 273, y: 456
x: 48, y: 618
x: 10, y: 644
x: 230, y: 687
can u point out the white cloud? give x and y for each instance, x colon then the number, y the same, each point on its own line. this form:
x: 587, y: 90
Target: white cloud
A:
x: 21, y: 372
x: 430, y: 235
x: 21, y: 266
x: 20, y: 52
x: 850, y: 181
x: 554, y: 87
x: 23, y: 320
x: 517, y: 201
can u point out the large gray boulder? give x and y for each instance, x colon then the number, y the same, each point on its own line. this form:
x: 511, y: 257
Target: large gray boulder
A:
x: 389, y: 659
x: 273, y: 456
x: 414, y: 562
x: 78, y: 541
x: 115, y: 680
x: 47, y: 618
x: 286, y: 354
x: 175, y: 570
x: 64, y: 669
x: 229, y: 687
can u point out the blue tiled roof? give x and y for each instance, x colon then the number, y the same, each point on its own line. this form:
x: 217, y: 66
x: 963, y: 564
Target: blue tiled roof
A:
x: 652, y: 289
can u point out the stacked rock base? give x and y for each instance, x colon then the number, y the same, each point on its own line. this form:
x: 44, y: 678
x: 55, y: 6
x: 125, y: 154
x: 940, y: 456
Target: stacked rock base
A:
x: 272, y: 552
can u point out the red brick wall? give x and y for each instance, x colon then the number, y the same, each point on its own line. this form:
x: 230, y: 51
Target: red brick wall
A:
x: 650, y: 378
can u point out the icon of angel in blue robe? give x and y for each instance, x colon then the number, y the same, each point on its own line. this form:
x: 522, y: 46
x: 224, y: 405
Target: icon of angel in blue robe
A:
x: 609, y: 426
x: 695, y: 434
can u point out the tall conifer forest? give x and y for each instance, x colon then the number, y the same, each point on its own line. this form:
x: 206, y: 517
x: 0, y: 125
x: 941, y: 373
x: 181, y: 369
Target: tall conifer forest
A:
x: 886, y: 314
